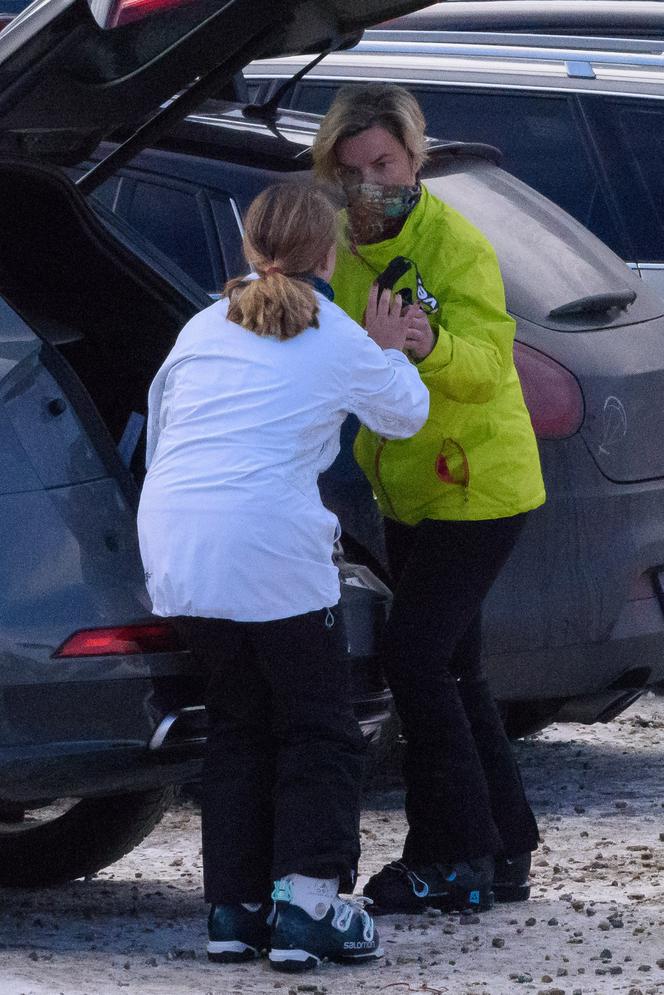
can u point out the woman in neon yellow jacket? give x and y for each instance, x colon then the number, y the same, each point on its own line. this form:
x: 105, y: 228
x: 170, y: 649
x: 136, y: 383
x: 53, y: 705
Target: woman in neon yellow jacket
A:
x: 454, y: 497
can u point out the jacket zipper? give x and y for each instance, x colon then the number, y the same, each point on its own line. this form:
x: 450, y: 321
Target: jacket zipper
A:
x: 466, y: 483
x: 377, y: 457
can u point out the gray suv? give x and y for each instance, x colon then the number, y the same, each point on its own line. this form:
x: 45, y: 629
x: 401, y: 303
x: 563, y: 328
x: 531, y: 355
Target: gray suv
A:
x: 571, y: 93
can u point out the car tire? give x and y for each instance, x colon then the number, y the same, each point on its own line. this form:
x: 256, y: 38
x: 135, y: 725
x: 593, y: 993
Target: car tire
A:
x: 525, y: 718
x: 92, y: 834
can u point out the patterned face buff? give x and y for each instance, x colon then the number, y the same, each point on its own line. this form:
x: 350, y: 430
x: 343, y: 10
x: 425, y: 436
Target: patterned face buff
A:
x: 378, y: 212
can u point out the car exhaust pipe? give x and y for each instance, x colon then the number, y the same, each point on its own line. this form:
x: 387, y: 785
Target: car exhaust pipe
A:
x: 181, y: 731
x: 603, y: 706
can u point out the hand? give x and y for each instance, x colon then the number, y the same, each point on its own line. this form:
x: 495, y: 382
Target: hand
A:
x: 420, y: 339
x: 383, y: 319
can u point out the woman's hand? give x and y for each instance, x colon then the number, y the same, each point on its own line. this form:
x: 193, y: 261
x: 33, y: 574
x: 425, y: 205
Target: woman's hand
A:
x: 420, y: 338
x: 384, y: 321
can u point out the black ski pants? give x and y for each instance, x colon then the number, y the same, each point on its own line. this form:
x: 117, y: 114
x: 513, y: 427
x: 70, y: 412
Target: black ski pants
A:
x: 285, y: 754
x: 464, y: 796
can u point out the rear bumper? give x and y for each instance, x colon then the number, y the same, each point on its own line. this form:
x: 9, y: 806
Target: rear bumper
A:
x: 631, y: 657
x: 182, y: 733
x: 171, y: 753
x: 573, y: 612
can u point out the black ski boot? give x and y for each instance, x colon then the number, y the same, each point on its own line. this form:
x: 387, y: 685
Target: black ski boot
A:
x: 451, y: 887
x: 237, y: 934
x: 510, y: 881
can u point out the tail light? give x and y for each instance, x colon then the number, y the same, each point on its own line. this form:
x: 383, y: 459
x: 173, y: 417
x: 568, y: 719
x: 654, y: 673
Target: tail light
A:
x: 153, y: 637
x: 114, y: 13
x: 552, y: 395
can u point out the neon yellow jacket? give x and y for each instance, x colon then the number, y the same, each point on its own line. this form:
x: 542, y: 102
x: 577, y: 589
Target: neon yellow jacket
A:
x: 477, y: 456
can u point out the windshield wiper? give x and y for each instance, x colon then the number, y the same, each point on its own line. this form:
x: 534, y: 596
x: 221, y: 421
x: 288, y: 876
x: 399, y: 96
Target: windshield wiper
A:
x: 268, y: 110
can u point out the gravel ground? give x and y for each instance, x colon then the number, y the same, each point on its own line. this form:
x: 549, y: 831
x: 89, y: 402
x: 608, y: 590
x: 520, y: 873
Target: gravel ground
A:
x: 594, y: 924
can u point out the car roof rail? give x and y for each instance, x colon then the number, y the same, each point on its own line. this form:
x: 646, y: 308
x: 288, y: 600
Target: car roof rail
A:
x: 579, y: 59
x: 532, y: 39
x: 617, y: 18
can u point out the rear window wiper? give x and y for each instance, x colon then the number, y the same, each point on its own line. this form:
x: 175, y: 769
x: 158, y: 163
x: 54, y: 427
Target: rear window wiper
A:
x: 268, y: 110
x: 595, y: 304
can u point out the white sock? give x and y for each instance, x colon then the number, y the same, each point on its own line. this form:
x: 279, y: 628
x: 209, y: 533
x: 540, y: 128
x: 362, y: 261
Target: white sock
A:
x: 314, y: 895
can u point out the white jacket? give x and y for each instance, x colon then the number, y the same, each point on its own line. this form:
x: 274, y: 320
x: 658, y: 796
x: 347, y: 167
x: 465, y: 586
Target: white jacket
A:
x: 230, y: 521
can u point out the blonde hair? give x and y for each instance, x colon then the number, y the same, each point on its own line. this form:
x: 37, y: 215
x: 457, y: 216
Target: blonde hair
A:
x: 356, y: 108
x: 289, y: 230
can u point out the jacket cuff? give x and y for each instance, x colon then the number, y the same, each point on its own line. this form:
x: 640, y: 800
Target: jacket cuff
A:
x: 440, y: 355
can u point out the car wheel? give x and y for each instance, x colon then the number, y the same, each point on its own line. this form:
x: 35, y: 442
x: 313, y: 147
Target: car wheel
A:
x: 524, y: 718
x: 73, y: 837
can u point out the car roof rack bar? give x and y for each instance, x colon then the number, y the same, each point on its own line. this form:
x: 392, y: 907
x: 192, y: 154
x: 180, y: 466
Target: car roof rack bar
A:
x: 578, y: 62
x: 645, y: 46
x: 511, y: 52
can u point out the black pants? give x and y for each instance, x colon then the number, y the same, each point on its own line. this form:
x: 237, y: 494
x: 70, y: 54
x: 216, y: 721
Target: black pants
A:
x: 464, y: 796
x: 285, y: 754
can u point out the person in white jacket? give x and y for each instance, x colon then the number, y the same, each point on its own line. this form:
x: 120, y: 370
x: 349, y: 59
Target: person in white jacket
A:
x: 237, y: 546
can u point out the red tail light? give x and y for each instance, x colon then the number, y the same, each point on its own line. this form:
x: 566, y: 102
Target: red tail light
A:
x: 113, y: 13
x: 153, y: 637
x: 552, y: 395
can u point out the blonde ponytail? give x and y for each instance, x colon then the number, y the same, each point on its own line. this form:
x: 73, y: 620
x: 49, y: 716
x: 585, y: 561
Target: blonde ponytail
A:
x: 289, y: 231
x: 275, y: 304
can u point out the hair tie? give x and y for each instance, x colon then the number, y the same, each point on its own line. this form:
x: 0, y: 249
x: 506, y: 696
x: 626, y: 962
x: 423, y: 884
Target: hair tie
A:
x: 273, y: 269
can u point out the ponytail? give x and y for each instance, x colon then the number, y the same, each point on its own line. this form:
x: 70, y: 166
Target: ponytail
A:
x: 274, y: 304
x: 289, y: 230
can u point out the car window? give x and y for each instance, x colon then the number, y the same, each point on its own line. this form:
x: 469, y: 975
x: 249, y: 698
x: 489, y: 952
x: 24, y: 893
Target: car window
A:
x: 107, y: 193
x: 313, y: 97
x: 643, y: 139
x: 253, y: 90
x: 628, y: 136
x: 541, y: 142
x: 172, y: 219
x: 227, y: 220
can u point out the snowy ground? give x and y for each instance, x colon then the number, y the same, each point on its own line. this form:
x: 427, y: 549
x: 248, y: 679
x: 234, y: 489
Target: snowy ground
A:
x: 594, y: 924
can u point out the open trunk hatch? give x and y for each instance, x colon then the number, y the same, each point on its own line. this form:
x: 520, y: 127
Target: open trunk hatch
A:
x: 68, y: 79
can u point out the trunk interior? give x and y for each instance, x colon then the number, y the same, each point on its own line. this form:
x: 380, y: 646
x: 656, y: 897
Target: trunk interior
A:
x: 103, y: 309
x: 113, y: 319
